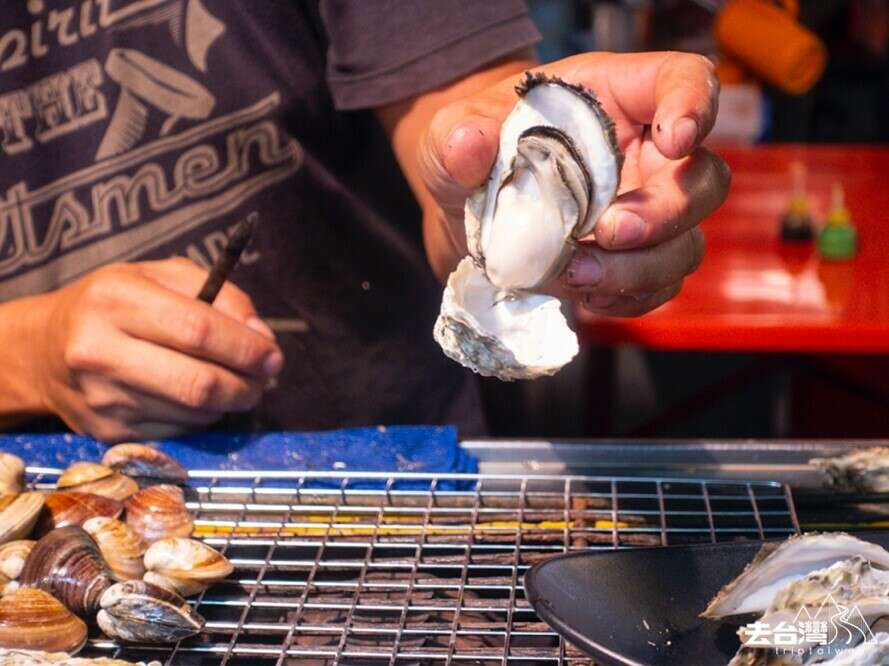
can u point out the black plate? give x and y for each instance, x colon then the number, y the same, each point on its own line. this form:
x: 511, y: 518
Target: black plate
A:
x: 635, y: 607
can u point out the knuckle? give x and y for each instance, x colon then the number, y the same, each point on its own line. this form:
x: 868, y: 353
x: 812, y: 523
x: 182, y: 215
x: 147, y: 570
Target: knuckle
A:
x: 82, y: 353
x: 193, y: 329
x: 199, y: 389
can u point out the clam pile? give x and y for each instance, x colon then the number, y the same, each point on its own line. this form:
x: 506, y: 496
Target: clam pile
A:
x: 109, y: 549
x: 827, y: 592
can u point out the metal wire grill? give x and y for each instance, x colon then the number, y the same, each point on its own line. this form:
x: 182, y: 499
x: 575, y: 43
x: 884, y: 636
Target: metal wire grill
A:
x: 352, y: 568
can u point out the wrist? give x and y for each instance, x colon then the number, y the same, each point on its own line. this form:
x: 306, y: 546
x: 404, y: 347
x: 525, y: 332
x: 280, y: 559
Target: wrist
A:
x: 24, y: 325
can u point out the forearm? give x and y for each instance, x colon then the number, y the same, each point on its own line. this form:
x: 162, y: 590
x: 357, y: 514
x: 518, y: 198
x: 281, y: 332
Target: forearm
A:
x: 21, y: 322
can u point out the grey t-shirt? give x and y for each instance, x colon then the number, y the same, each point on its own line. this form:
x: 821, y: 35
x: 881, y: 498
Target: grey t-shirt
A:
x: 142, y: 129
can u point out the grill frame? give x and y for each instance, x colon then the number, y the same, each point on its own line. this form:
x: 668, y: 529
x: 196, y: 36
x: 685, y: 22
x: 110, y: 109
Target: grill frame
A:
x: 404, y: 522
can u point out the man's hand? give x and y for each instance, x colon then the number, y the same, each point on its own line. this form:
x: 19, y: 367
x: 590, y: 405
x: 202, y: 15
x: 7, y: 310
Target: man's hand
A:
x: 663, y: 104
x: 129, y: 353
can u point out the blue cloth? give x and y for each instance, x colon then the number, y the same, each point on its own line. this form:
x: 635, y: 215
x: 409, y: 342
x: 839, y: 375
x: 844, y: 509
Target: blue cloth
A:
x: 418, y: 449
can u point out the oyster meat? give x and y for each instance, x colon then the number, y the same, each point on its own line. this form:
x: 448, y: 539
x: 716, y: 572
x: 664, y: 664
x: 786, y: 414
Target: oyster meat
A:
x: 557, y: 170
x: 851, y: 584
x: 861, y: 470
x: 776, y: 565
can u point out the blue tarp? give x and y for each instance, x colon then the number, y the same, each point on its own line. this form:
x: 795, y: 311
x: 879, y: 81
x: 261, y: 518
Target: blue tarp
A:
x: 420, y: 449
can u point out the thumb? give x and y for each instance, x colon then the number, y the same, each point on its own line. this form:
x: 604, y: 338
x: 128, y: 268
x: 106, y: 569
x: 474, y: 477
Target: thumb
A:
x: 457, y: 155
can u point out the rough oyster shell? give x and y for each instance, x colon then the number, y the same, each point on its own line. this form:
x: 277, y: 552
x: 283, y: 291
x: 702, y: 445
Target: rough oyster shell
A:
x: 778, y: 564
x: 851, y: 583
x: 861, y: 470
x: 556, y: 171
x: 497, y: 336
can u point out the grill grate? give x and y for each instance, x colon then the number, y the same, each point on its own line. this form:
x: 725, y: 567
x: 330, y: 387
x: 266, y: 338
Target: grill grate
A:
x: 361, y: 568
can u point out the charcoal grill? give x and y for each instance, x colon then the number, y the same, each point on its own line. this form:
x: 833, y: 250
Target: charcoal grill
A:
x: 361, y: 568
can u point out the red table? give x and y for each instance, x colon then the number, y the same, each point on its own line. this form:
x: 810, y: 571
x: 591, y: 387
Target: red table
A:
x: 756, y: 293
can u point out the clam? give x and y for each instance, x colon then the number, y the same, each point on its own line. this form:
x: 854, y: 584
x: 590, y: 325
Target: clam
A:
x: 31, y: 619
x: 13, y: 555
x: 12, y: 473
x: 776, y: 565
x: 34, y: 658
x: 140, y: 612
x: 67, y: 564
x: 87, y: 477
x: 185, y: 566
x: 120, y: 545
x: 159, y: 512
x: 141, y: 461
x: 71, y: 507
x: 557, y: 170
x: 19, y: 515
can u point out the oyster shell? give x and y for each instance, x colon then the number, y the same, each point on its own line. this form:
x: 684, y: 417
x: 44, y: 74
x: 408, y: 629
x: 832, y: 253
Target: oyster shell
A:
x: 87, y: 477
x: 861, y: 470
x: 159, y: 512
x: 852, y: 584
x: 36, y: 658
x: 777, y: 564
x: 12, y: 473
x: 185, y: 566
x: 67, y: 564
x: 141, y: 612
x: 874, y: 652
x: 13, y: 555
x: 122, y: 548
x: 557, y: 170
x: 19, y: 515
x: 31, y: 619
x: 144, y: 462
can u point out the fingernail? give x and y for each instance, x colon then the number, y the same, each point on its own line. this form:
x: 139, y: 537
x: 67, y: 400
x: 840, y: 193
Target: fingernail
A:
x: 629, y: 230
x: 273, y: 364
x: 685, y: 133
x: 584, y: 270
x: 600, y: 301
x: 260, y: 327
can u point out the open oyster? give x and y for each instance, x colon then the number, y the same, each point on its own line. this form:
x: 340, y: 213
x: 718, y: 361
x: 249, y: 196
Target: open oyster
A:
x: 847, y: 596
x: 861, y: 470
x: 557, y: 170
x: 776, y: 565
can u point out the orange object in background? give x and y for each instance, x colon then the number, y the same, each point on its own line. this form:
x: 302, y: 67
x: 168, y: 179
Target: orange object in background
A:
x: 768, y: 41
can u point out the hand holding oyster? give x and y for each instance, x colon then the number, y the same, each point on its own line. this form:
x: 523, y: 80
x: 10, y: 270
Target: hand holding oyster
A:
x: 557, y: 170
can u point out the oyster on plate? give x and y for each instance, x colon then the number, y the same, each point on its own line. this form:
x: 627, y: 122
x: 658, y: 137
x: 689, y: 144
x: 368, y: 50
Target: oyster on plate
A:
x: 861, y: 470
x: 847, y: 596
x: 556, y: 171
x: 778, y: 564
